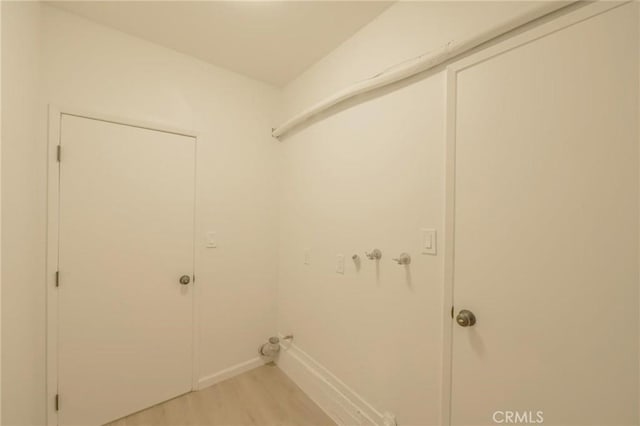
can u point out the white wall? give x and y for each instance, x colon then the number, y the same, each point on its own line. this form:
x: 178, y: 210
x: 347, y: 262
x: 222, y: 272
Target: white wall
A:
x: 23, y: 219
x: 371, y: 174
x: 91, y: 67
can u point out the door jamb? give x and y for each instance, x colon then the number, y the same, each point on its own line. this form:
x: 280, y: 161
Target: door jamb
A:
x: 585, y: 12
x: 55, y: 113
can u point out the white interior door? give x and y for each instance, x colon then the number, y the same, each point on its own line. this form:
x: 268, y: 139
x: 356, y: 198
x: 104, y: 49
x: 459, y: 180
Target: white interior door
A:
x: 546, y: 230
x: 126, y: 238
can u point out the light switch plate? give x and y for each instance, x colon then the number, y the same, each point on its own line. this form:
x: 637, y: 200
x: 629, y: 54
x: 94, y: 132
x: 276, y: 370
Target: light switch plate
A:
x: 340, y: 264
x: 212, y: 240
x: 428, y: 241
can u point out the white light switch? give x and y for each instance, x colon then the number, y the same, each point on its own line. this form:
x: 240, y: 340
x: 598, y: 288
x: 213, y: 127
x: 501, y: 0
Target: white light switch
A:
x: 340, y: 264
x: 212, y: 240
x: 307, y: 256
x: 428, y: 237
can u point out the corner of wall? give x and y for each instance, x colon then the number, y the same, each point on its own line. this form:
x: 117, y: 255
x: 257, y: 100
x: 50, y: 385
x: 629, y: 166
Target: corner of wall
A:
x: 334, y: 397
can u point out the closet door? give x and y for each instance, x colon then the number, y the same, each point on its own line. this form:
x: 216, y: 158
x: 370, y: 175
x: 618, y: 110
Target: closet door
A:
x: 126, y: 269
x: 546, y: 229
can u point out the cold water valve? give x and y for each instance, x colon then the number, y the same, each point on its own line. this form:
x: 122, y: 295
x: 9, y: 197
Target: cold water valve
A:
x: 376, y: 254
x: 271, y: 348
x: 404, y: 259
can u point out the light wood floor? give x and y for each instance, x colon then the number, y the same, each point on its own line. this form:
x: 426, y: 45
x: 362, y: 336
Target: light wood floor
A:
x: 263, y: 396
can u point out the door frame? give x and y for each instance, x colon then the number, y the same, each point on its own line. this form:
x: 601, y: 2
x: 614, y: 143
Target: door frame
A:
x: 546, y: 28
x: 55, y: 114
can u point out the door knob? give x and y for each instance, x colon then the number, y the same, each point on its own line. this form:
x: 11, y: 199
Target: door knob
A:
x: 465, y: 318
x: 185, y: 279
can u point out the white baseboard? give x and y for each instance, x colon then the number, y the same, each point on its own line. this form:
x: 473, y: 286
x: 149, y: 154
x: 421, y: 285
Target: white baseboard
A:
x: 341, y: 403
x: 230, y: 372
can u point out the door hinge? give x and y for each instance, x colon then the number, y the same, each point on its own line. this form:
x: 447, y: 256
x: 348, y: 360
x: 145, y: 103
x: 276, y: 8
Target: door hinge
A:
x: 57, y: 278
x: 57, y: 402
x: 59, y: 153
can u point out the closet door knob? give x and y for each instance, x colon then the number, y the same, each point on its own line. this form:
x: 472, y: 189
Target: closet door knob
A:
x: 185, y: 279
x: 465, y: 318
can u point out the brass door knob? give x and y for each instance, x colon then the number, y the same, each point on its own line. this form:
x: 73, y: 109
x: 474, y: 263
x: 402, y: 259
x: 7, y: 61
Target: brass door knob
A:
x: 465, y: 318
x: 185, y: 279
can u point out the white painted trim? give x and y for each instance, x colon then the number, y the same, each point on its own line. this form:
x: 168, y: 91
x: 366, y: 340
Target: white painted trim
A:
x: 0, y: 228
x: 637, y: 6
x: 230, y: 372
x: 449, y: 225
x: 588, y: 11
x: 53, y: 192
x: 53, y: 175
x: 127, y: 121
x: 419, y: 64
x: 574, y: 17
x: 197, y: 292
x: 340, y: 402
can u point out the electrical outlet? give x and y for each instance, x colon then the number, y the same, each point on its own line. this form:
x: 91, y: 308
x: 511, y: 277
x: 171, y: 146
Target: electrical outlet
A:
x: 307, y: 256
